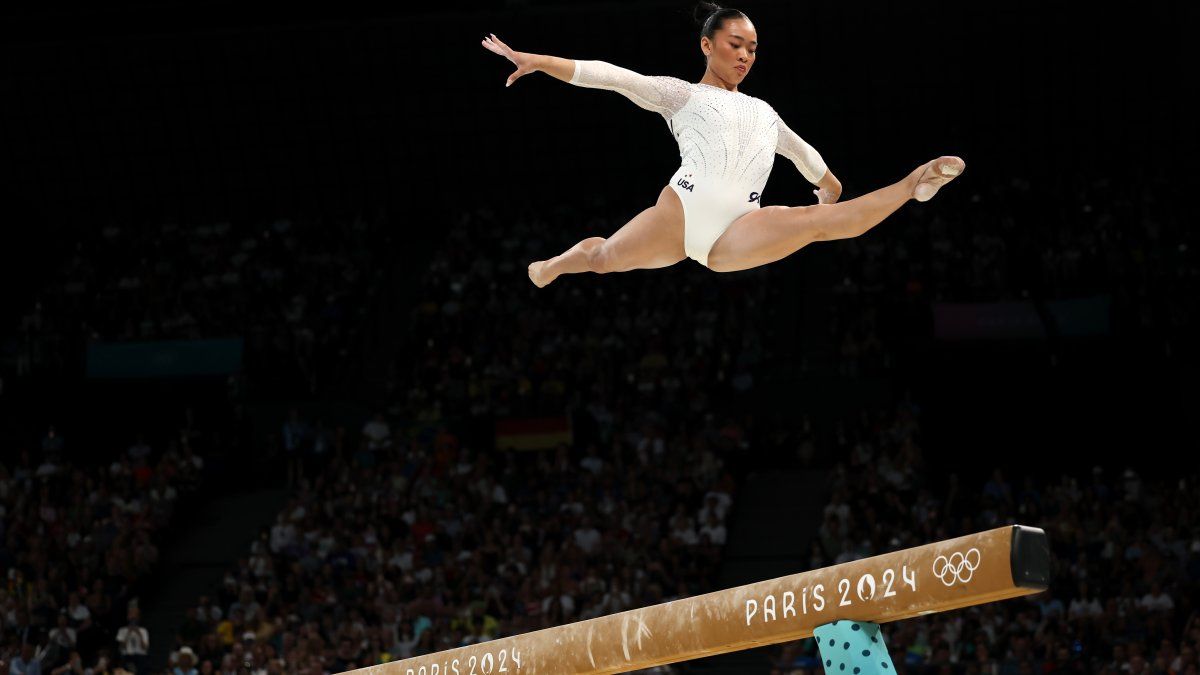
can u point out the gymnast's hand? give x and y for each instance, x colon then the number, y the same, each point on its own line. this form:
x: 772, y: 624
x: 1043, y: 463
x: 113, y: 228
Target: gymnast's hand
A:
x: 826, y: 196
x: 523, y: 61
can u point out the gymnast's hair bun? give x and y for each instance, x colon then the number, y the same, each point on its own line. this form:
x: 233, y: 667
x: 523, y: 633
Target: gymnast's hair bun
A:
x: 711, y: 17
x: 704, y: 10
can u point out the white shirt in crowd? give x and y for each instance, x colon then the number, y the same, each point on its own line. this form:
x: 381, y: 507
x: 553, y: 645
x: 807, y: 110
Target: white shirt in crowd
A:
x: 79, y: 613
x: 133, y: 640
x: 684, y: 532
x: 723, y: 502
x: 1082, y: 608
x: 715, y: 533
x: 1157, y: 603
x: 163, y: 493
x: 568, y: 604
x: 283, y: 534
x: 616, y: 600
x: 377, y: 433
x: 841, y: 510
x: 64, y: 637
x: 592, y: 463
x: 499, y: 494
x: 210, y: 614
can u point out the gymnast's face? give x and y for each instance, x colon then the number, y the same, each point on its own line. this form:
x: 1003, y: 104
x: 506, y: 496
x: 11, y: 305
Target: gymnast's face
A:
x: 731, y: 50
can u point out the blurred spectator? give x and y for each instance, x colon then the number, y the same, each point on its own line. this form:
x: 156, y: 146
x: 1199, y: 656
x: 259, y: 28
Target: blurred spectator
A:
x: 62, y: 640
x: 134, y: 643
x: 376, y: 433
x: 294, y: 289
x: 73, y: 666
x: 185, y: 662
x: 28, y: 662
x: 1156, y: 600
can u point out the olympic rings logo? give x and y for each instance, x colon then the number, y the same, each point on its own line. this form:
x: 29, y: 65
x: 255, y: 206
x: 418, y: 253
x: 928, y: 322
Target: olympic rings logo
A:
x: 958, y: 568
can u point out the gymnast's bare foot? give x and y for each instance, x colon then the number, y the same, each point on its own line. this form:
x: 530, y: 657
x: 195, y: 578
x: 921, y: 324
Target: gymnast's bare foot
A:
x: 936, y: 174
x: 535, y: 274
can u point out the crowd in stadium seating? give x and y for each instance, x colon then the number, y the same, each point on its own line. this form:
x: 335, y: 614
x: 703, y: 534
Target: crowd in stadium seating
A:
x: 1011, y: 240
x: 293, y: 289
x: 411, y: 540
x: 488, y: 343
x: 1126, y: 575
x: 296, y: 288
x: 425, y: 544
x: 415, y: 537
x: 445, y: 547
x: 76, y: 541
x: 483, y: 348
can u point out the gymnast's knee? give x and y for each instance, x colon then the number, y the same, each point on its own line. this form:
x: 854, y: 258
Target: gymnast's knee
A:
x: 600, y: 259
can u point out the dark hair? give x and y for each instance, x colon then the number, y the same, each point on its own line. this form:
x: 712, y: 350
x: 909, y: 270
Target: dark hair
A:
x: 712, y: 17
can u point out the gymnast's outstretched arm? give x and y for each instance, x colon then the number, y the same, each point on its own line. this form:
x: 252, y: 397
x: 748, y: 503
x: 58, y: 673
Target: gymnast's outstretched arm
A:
x: 664, y: 95
x: 526, y: 63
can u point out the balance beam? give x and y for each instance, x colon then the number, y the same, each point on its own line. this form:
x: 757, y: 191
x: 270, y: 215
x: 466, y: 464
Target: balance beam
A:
x: 998, y: 564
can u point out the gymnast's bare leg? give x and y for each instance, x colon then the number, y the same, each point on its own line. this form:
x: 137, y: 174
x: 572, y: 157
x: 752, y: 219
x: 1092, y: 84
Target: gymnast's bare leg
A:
x: 653, y: 239
x: 775, y: 232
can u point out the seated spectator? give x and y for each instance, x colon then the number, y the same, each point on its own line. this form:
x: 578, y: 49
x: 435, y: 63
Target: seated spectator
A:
x: 133, y: 643
x: 185, y: 662
x: 28, y: 662
x: 1156, y: 600
x: 377, y: 434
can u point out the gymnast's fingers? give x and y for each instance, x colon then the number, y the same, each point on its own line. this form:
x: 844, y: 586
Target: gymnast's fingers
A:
x: 492, y: 47
x: 500, y: 42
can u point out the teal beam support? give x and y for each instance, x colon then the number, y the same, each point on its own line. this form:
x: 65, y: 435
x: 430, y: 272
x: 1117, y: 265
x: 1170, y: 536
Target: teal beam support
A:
x: 853, y: 648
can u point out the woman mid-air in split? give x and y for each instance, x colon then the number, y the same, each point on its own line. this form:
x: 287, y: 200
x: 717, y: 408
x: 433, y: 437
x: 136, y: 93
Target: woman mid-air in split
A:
x: 709, y: 211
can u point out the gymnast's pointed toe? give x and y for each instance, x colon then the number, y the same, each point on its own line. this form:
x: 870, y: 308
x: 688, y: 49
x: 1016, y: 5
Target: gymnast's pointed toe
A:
x: 937, y: 173
x: 535, y: 273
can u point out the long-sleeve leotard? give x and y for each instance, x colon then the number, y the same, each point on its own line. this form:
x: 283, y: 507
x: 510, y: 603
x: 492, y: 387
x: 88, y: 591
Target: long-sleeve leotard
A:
x: 722, y: 134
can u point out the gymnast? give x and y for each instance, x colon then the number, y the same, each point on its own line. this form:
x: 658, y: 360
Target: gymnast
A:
x: 709, y: 211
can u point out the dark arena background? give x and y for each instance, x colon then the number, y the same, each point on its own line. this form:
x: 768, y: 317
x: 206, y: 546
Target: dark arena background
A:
x: 277, y: 394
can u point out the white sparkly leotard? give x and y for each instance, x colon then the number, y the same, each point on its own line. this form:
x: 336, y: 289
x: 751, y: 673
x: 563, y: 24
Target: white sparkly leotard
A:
x: 727, y: 145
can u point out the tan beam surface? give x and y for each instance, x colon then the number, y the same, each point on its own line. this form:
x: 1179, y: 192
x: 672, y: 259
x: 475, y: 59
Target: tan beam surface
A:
x: 1003, y: 563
